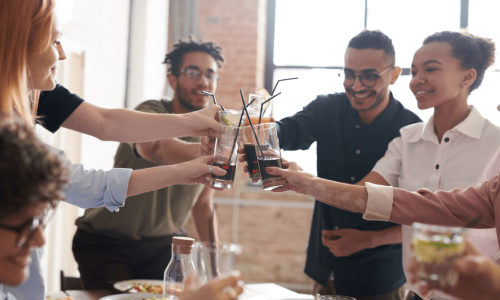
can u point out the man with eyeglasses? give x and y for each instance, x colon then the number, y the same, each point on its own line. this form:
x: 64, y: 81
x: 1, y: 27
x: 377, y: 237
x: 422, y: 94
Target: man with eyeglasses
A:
x: 136, y: 242
x: 346, y: 254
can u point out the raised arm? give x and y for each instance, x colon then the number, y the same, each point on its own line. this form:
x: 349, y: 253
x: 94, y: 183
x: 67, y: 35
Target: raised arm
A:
x: 124, y: 125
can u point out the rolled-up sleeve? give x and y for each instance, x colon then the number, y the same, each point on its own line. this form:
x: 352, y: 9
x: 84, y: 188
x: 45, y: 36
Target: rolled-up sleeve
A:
x: 97, y: 188
x: 379, y: 205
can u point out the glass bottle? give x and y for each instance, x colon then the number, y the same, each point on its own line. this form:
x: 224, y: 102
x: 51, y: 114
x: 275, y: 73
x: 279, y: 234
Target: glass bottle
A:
x: 179, y: 267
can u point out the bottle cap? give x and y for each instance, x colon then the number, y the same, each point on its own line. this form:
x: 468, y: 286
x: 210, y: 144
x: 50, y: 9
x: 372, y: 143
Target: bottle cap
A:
x: 182, y: 245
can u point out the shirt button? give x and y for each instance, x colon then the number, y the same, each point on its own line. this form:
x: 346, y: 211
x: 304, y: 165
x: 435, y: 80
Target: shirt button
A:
x: 447, y: 140
x: 437, y: 167
x: 357, y: 126
x: 353, y: 178
x: 358, y: 151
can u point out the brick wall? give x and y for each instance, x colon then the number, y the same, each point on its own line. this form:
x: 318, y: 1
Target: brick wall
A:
x: 273, y: 229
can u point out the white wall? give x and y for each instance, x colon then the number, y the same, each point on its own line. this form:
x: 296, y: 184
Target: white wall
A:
x: 95, y: 34
x: 147, y: 74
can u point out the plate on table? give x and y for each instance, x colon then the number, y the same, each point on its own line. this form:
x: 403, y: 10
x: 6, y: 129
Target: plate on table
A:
x: 136, y: 296
x: 143, y: 286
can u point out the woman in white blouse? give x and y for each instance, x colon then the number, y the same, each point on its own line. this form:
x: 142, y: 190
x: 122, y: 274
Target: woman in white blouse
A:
x: 449, y: 151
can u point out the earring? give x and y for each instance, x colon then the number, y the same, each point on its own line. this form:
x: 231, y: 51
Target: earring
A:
x: 462, y: 87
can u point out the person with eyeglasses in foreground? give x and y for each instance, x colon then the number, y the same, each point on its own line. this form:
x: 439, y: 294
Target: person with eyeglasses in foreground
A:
x: 352, y: 131
x: 33, y: 179
x: 136, y: 243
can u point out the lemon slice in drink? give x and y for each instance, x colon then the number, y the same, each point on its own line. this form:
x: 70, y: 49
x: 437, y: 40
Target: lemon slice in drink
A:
x: 436, y: 252
x: 265, y: 95
x: 231, y: 120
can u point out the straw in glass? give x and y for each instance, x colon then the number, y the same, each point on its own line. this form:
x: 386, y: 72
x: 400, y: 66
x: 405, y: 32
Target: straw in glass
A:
x: 262, y: 105
x: 213, y: 97
x: 235, y: 138
x: 250, y: 121
x: 276, y: 85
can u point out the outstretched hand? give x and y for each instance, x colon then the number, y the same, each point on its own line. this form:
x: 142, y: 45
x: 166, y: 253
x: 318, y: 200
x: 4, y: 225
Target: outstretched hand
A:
x: 196, y: 171
x: 203, y: 122
x: 296, y: 178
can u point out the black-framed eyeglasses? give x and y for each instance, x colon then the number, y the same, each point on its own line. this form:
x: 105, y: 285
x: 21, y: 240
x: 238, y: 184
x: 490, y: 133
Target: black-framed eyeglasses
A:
x: 367, y: 79
x: 26, y: 231
x: 195, y: 74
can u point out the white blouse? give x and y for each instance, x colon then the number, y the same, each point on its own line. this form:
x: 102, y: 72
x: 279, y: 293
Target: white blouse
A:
x: 417, y: 160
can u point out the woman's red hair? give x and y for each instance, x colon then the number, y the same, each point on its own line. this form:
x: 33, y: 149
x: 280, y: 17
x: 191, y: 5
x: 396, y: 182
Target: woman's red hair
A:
x: 25, y: 30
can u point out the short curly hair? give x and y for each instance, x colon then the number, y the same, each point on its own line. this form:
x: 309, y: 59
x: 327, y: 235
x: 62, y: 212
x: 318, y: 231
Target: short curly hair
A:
x: 175, y: 57
x: 374, y: 39
x: 29, y: 170
x: 472, y: 51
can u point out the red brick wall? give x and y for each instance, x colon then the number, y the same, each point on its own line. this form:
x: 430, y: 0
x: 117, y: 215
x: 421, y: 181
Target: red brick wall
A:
x: 273, y: 238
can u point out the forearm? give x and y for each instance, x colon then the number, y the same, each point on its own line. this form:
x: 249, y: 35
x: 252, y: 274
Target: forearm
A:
x: 151, y: 179
x: 141, y: 127
x: 168, y: 152
x: 344, y: 196
x: 389, y: 236
x: 202, y: 214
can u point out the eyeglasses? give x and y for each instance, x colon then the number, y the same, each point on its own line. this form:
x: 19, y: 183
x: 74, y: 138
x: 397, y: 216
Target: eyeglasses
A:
x: 26, y: 231
x: 367, y: 79
x: 195, y: 74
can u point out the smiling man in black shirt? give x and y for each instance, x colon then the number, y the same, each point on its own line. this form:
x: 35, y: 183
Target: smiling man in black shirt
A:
x: 352, y: 131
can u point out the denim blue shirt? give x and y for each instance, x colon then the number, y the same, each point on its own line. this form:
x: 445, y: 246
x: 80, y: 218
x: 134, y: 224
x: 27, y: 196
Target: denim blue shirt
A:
x: 87, y: 188
x: 347, y: 150
x: 5, y: 295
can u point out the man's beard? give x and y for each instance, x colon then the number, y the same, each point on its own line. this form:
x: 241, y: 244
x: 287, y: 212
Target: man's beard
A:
x: 379, y: 98
x: 182, y: 95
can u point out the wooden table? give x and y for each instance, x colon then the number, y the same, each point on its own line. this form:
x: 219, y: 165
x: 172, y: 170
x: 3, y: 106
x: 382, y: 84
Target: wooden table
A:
x: 250, y: 290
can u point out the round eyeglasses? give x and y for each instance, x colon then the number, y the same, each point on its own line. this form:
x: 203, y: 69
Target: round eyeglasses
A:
x: 367, y: 79
x: 195, y: 74
x: 26, y: 231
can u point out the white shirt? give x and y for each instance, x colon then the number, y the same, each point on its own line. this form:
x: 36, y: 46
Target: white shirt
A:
x: 417, y: 160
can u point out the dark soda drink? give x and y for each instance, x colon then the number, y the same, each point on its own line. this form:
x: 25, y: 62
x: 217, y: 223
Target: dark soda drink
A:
x: 252, y: 163
x: 230, y: 169
x: 269, y: 162
x: 270, y: 182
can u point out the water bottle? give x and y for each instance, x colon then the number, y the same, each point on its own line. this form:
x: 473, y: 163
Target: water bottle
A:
x: 179, y: 267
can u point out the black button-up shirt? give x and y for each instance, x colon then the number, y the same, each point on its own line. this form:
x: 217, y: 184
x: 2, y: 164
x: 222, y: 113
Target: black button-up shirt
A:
x: 347, y: 150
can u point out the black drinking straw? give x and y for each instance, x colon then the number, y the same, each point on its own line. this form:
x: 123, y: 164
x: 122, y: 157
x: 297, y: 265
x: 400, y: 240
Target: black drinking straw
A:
x: 276, y: 85
x: 262, y: 105
x: 213, y: 97
x: 235, y: 138
x: 251, y: 102
x: 249, y: 120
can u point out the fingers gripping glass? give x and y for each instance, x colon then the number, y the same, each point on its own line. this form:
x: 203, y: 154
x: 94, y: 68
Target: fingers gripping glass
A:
x: 367, y: 79
x: 25, y: 231
x: 195, y: 74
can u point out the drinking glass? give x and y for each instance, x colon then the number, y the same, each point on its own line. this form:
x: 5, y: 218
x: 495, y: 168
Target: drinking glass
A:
x: 212, y: 260
x: 226, y: 156
x: 251, y: 148
x: 268, y: 155
x: 436, y: 249
x: 229, y: 117
x: 333, y: 297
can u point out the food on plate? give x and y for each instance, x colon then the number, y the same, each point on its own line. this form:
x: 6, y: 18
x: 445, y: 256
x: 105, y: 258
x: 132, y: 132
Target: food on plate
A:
x: 147, y: 288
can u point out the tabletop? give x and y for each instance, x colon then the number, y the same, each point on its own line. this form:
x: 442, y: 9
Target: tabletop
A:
x: 250, y: 291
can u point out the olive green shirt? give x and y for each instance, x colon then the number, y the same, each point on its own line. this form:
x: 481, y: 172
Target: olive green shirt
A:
x: 153, y: 214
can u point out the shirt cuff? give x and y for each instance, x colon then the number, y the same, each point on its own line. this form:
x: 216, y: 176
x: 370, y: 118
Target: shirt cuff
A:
x: 116, y: 188
x: 379, y: 205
